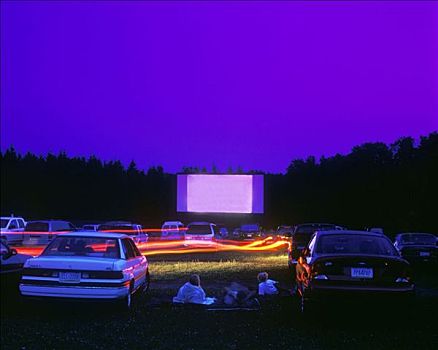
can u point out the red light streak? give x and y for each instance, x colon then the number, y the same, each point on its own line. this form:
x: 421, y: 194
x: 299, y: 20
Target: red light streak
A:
x: 189, y: 247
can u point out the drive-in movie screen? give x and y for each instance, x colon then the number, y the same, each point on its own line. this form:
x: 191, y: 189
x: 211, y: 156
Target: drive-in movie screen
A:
x: 220, y: 193
x: 220, y: 175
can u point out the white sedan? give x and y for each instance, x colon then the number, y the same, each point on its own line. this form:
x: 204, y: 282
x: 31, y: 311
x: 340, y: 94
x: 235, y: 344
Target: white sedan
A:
x: 87, y: 265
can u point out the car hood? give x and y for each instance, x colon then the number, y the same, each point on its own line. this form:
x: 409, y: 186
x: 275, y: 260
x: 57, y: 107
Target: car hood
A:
x: 16, y: 259
x: 70, y: 263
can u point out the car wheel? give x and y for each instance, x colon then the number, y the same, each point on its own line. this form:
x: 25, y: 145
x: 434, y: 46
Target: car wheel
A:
x: 147, y: 282
x: 126, y: 302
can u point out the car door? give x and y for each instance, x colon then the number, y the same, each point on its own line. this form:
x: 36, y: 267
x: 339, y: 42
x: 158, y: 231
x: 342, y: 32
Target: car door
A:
x: 133, y: 261
x: 141, y: 265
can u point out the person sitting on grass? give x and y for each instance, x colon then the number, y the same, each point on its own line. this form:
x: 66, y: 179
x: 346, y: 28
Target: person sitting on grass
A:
x: 266, y: 286
x: 239, y: 296
x: 192, y: 293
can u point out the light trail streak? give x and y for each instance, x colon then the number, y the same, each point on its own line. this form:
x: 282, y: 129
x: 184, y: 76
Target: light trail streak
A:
x: 189, y: 247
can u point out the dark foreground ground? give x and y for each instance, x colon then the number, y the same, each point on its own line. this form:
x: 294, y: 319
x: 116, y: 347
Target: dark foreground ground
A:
x: 362, y: 324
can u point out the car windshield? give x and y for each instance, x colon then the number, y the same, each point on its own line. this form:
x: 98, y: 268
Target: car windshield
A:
x: 126, y: 229
x: 4, y: 223
x: 417, y: 238
x: 37, y: 227
x: 199, y: 230
x: 83, y: 246
x: 355, y: 244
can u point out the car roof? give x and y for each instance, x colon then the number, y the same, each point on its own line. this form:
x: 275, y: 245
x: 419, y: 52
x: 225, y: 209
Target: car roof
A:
x: 416, y: 233
x: 200, y: 223
x: 349, y: 232
x: 47, y: 221
x: 317, y: 224
x: 172, y: 223
x: 10, y: 217
x: 94, y: 234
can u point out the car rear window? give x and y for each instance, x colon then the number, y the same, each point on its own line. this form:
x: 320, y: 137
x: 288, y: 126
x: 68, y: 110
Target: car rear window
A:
x: 37, y: 227
x: 354, y: 244
x: 313, y: 228
x: 249, y: 228
x: 418, y: 239
x: 83, y: 246
x: 199, y: 230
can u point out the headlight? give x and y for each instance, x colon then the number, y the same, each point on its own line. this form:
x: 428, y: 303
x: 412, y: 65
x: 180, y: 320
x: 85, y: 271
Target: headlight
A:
x: 320, y: 277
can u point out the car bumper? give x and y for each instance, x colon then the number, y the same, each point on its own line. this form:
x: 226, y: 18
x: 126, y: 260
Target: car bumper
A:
x: 317, y: 290
x: 74, y: 292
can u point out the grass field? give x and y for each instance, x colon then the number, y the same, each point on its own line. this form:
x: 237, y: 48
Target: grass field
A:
x: 229, y: 265
x: 278, y: 325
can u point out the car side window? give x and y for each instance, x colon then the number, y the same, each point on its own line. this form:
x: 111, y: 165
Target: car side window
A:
x: 20, y: 223
x: 134, y: 248
x: 127, y: 249
x: 13, y: 225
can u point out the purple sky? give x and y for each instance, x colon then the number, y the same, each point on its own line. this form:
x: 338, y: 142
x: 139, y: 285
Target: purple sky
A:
x: 252, y: 84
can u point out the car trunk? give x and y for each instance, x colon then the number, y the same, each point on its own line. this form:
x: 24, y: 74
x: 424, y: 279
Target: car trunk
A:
x: 361, y: 270
x: 72, y: 263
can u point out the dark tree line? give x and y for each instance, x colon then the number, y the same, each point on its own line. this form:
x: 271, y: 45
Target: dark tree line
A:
x: 391, y: 186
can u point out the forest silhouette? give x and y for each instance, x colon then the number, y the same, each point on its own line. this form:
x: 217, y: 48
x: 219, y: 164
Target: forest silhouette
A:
x: 376, y: 185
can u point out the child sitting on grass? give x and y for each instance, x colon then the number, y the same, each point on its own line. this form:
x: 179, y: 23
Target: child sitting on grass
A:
x: 266, y: 286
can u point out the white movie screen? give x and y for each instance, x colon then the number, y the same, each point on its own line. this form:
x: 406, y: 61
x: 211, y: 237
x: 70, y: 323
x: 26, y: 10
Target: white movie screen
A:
x: 201, y: 193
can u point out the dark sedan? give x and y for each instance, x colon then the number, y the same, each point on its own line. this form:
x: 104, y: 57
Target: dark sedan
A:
x: 300, y: 237
x: 417, y: 247
x: 351, y: 263
x: 11, y: 265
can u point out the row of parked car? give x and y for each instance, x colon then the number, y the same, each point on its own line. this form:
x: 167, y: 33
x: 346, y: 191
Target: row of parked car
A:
x: 16, y: 231
x: 327, y: 259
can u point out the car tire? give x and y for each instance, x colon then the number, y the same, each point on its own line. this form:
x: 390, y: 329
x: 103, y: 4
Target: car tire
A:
x: 147, y: 282
x: 125, y: 303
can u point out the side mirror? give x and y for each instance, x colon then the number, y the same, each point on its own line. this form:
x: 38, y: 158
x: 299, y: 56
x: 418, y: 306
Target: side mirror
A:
x: 13, y: 252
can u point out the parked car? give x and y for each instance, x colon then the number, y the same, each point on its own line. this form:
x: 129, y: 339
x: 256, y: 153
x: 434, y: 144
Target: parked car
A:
x: 350, y: 262
x: 43, y: 231
x: 300, y: 237
x: 199, y: 233
x: 135, y: 231
x: 172, y: 230
x: 284, y: 231
x: 90, y: 227
x: 250, y: 231
x: 12, y: 229
x: 236, y: 232
x: 87, y: 265
x: 11, y: 265
x: 417, y: 247
x: 223, y: 232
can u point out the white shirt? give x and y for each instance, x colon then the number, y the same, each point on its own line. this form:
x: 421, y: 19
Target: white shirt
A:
x: 268, y: 288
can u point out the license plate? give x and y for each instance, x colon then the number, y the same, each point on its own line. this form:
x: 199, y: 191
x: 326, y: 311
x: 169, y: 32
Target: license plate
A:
x: 424, y: 254
x: 361, y: 272
x: 70, y: 277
